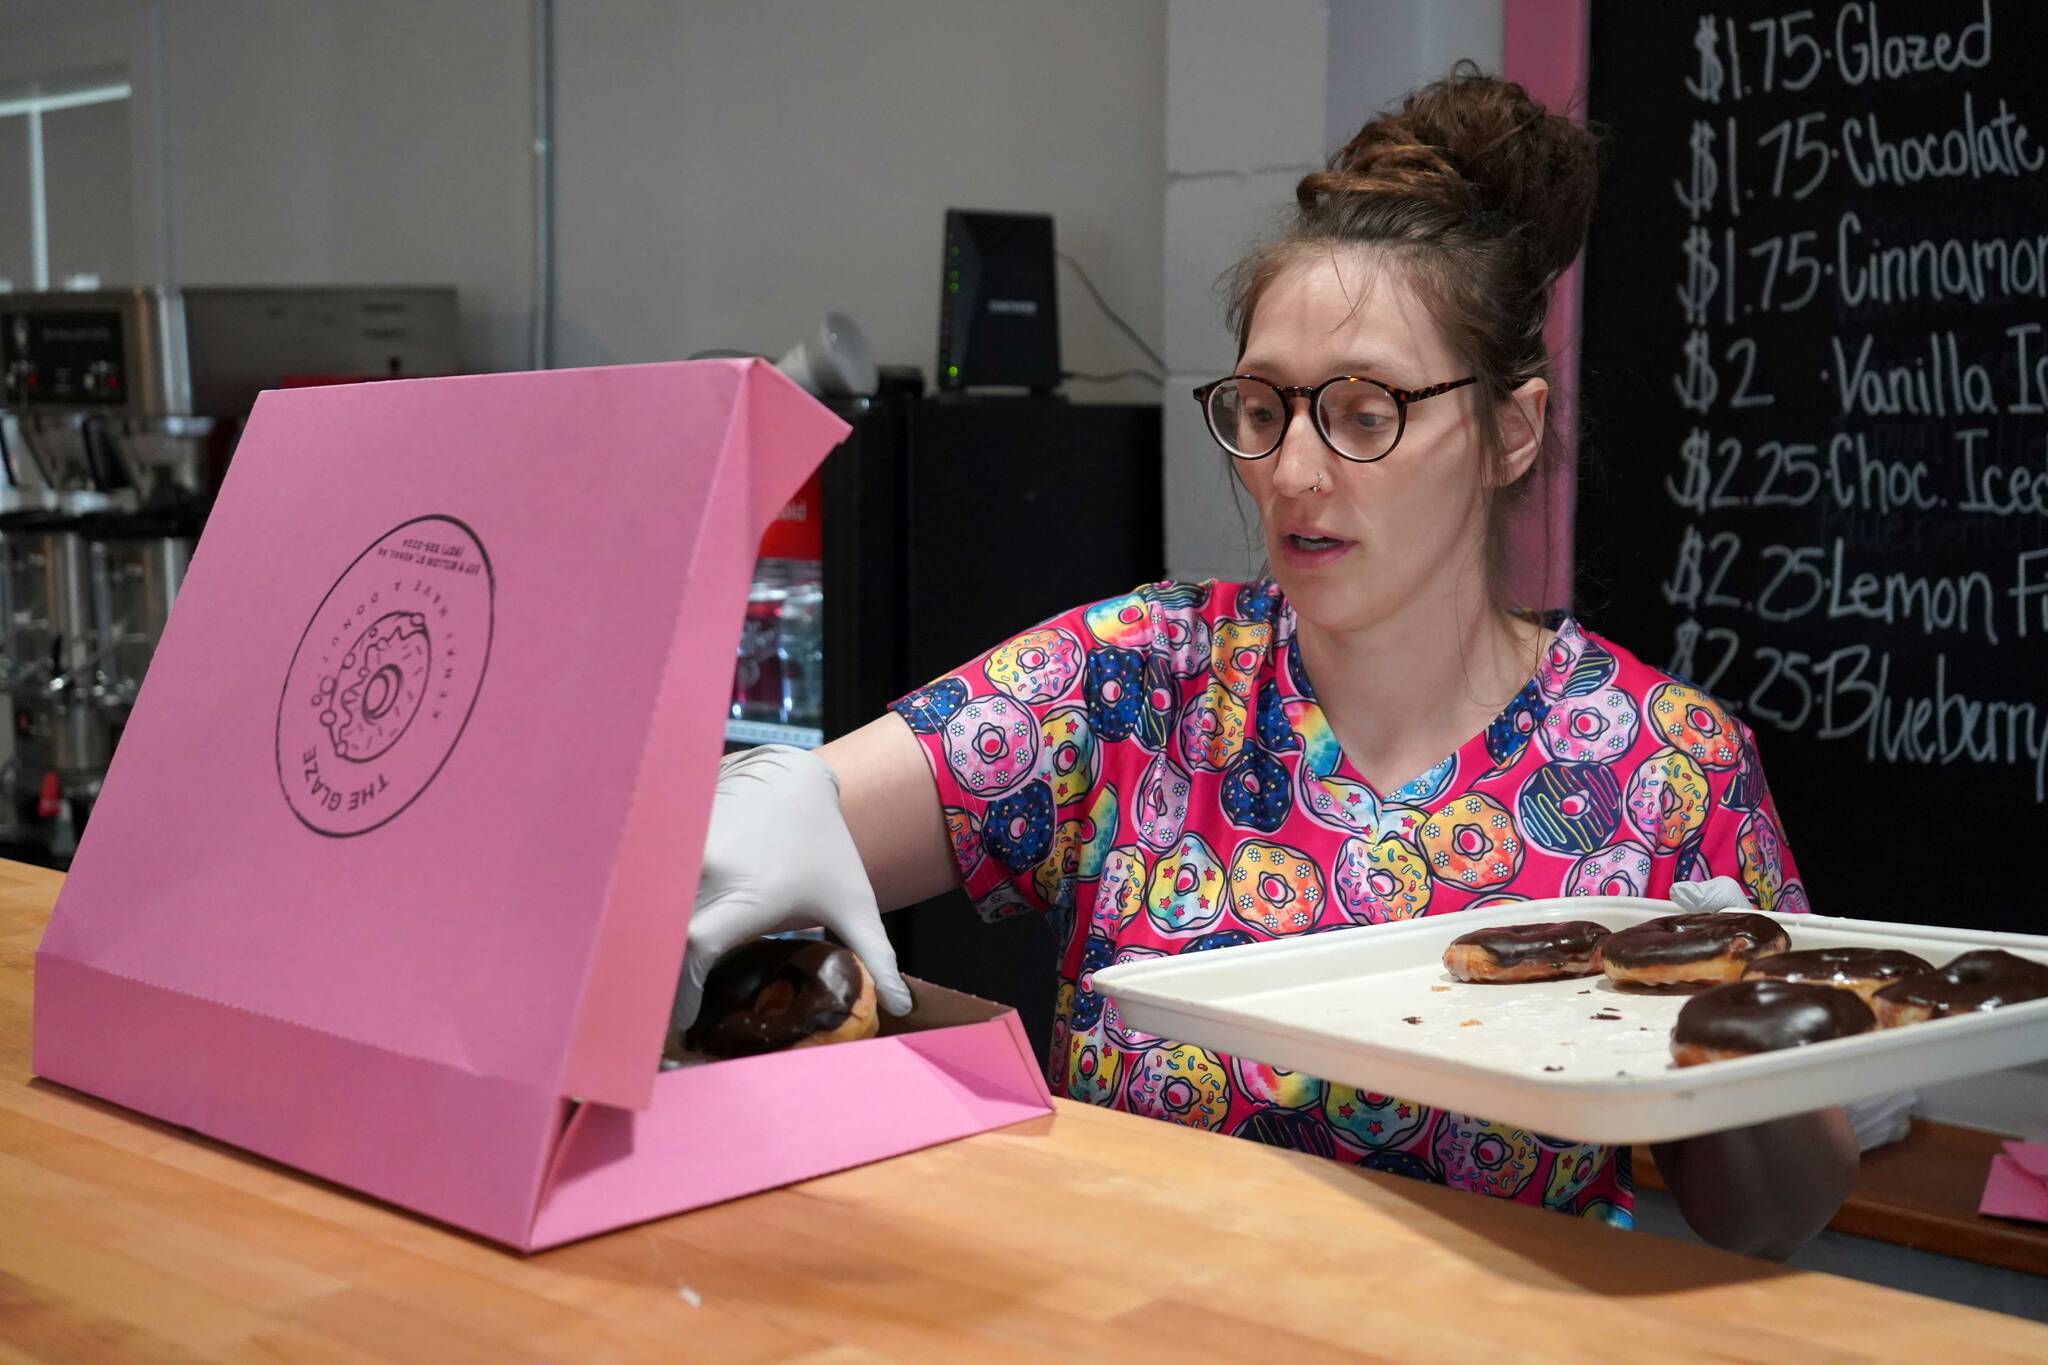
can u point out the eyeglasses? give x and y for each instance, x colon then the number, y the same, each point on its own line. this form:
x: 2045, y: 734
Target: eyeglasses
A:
x: 1361, y: 419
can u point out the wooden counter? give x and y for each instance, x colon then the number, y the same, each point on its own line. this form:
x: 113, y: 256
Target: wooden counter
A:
x: 1084, y: 1235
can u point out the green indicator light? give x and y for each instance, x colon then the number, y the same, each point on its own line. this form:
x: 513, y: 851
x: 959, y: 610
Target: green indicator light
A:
x: 955, y: 250
x: 952, y: 372
x: 953, y: 288
x: 952, y: 274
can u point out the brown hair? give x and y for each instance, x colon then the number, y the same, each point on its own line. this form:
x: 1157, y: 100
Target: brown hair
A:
x: 1485, y: 197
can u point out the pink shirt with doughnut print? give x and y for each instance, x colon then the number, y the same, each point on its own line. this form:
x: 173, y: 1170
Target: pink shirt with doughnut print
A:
x: 1153, y: 773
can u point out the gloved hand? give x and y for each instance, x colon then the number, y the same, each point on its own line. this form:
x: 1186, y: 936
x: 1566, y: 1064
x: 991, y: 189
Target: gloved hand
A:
x: 1718, y: 893
x: 778, y: 856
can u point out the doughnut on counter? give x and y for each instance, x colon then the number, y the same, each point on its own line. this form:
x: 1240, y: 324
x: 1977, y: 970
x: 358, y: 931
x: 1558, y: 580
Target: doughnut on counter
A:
x: 1751, y: 991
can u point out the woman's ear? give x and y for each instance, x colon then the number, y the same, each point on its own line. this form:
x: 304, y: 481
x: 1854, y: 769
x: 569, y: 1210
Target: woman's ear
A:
x: 1521, y: 423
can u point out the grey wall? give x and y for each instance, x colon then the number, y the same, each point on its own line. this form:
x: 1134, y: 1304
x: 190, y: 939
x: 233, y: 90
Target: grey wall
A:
x: 339, y: 141
x: 731, y: 170
x: 727, y: 170
x: 76, y: 42
x: 1256, y: 96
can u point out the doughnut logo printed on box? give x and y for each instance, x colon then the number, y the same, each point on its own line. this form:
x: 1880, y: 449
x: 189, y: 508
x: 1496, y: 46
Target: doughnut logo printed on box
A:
x: 385, y: 677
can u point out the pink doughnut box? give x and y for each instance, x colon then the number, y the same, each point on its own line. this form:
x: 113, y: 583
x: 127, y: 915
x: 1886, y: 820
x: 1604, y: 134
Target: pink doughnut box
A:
x: 391, y: 875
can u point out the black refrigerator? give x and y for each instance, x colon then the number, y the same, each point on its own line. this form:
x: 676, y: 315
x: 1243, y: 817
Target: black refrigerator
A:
x: 948, y: 525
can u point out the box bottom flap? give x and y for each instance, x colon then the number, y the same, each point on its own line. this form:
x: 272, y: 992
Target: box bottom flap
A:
x: 726, y: 1129
x: 463, y: 1148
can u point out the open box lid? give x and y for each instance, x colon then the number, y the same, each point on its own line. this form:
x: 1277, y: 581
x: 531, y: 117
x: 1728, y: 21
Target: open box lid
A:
x: 426, y: 753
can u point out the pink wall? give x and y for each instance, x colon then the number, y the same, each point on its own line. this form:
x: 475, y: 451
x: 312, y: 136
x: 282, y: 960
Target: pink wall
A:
x: 1543, y: 46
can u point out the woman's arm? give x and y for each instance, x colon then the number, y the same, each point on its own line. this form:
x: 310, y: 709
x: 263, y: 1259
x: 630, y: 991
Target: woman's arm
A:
x: 1763, y: 1190
x: 891, y: 807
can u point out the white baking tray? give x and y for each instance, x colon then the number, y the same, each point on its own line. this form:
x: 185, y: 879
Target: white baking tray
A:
x: 1339, y: 1006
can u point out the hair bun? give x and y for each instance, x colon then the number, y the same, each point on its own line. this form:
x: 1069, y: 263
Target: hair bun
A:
x: 1482, y: 147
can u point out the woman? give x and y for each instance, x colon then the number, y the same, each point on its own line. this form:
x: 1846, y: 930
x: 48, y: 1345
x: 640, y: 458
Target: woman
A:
x: 1369, y: 733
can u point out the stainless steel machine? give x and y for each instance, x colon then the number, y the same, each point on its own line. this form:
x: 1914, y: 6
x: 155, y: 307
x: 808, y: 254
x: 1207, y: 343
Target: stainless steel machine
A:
x: 119, y: 411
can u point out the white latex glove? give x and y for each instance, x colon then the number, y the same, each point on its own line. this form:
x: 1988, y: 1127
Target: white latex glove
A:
x: 777, y: 856
x: 1717, y: 893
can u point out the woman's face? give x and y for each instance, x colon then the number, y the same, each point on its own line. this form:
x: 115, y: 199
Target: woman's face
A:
x: 1400, y: 524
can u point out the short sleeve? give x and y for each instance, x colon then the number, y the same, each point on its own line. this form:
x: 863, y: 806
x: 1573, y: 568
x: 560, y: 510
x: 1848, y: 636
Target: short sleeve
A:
x: 1743, y: 836
x: 1014, y: 739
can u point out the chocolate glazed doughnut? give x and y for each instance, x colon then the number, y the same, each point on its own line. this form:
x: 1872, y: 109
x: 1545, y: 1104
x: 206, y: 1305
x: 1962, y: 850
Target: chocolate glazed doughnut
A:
x: 1746, y: 1017
x: 777, y: 993
x: 1707, y: 948
x: 1983, y: 980
x: 1526, y: 952
x: 1865, y: 971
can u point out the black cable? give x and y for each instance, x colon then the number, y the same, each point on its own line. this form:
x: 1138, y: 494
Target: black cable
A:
x: 1113, y: 376
x: 1111, y: 313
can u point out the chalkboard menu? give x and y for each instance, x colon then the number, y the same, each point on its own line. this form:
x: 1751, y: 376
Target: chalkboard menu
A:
x: 1815, y: 466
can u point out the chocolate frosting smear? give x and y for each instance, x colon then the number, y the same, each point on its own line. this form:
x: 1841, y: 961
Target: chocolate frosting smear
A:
x: 1560, y: 942
x: 1834, y: 966
x: 1672, y: 940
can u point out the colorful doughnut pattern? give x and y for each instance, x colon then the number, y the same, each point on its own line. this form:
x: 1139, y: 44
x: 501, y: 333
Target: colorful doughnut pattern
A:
x: 1212, y: 729
x: 1472, y: 842
x: 1618, y: 870
x: 1180, y: 637
x: 1262, y: 1084
x: 1373, y: 1121
x: 1113, y: 1027
x: 1484, y: 1157
x: 1572, y: 1168
x: 1186, y: 891
x: 1114, y: 683
x: 1103, y: 821
x: 1162, y: 802
x: 1122, y: 892
x: 1382, y: 881
x: 1593, y: 728
x: 1071, y: 750
x: 1123, y: 622
x: 1280, y: 1128
x: 963, y: 832
x: 1570, y: 807
x: 1512, y: 729
x: 1094, y: 1069
x: 992, y: 745
x: 1693, y: 723
x: 1181, y: 1084
x: 1275, y: 888
x: 1154, y: 774
x: 1760, y: 854
x: 1039, y: 665
x: 1667, y: 800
